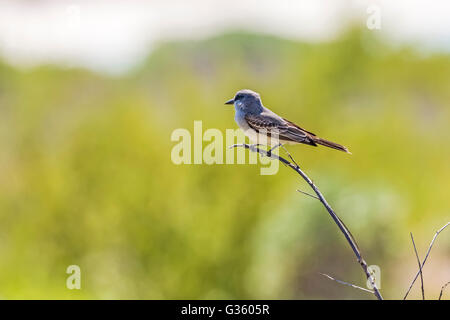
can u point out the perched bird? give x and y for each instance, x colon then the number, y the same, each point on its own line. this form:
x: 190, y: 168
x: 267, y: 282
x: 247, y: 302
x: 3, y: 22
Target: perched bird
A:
x: 259, y: 123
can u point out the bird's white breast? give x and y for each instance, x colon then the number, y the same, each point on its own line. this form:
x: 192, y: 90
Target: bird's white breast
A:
x: 242, y: 123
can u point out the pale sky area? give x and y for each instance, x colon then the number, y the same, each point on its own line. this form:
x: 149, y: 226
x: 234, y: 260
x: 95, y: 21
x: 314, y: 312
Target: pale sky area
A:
x: 113, y: 36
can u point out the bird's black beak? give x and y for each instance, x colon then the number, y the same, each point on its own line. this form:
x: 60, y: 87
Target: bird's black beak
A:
x: 231, y: 101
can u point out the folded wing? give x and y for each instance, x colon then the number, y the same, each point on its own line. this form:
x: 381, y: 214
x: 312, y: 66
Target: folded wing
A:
x: 271, y: 124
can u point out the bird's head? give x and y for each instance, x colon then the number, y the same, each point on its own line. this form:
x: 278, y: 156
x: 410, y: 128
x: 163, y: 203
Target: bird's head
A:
x: 246, y: 100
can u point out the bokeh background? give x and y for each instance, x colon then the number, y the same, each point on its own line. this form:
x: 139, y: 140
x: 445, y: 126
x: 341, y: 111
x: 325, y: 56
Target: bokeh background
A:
x: 90, y: 93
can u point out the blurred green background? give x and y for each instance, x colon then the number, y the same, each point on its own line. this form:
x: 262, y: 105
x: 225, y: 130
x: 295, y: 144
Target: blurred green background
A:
x: 86, y: 176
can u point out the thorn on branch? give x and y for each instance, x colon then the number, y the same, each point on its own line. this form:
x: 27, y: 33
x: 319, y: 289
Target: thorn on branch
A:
x: 308, y: 194
x: 346, y: 283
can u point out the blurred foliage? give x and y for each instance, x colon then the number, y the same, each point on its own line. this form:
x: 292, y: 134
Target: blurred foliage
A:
x: 86, y: 176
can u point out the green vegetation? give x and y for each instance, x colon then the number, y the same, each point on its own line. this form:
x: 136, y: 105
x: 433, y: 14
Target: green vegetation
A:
x: 86, y: 176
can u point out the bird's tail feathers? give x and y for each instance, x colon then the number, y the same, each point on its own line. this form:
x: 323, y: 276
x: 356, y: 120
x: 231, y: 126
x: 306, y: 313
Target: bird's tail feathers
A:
x: 330, y: 144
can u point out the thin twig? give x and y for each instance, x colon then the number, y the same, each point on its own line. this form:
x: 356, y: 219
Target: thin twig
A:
x: 337, y: 220
x: 308, y: 194
x: 420, y: 267
x: 290, y: 157
x: 426, y: 257
x: 442, y: 290
x: 346, y: 283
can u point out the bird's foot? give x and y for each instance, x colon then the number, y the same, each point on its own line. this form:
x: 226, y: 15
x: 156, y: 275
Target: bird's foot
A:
x: 269, y: 153
x: 254, y: 147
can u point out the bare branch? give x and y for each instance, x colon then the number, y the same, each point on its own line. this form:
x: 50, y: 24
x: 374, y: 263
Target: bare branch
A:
x: 420, y: 267
x: 442, y: 290
x: 348, y: 236
x: 346, y: 283
x: 426, y: 257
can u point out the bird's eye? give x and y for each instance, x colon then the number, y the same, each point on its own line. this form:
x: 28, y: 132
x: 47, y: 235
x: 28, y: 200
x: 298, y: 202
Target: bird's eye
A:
x: 238, y: 97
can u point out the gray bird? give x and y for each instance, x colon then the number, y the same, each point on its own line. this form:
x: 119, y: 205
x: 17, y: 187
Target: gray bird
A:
x: 259, y: 122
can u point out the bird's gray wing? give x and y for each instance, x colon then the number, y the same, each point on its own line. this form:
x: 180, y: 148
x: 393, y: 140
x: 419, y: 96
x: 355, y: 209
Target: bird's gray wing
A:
x: 270, y: 123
